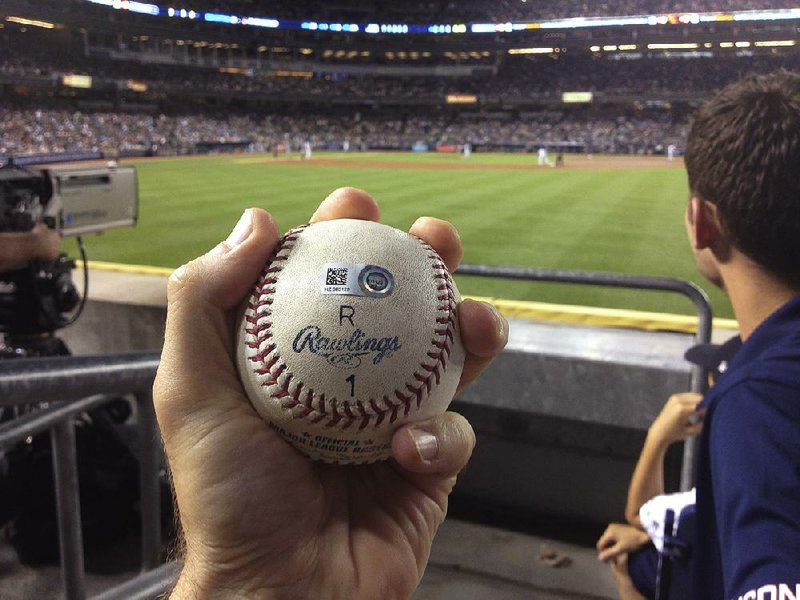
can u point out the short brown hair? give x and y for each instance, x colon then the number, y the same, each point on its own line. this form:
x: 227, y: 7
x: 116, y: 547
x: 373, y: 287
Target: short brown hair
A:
x: 743, y: 155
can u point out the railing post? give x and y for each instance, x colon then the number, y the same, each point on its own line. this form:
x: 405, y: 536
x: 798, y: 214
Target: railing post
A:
x: 150, y: 489
x: 696, y: 294
x: 70, y: 540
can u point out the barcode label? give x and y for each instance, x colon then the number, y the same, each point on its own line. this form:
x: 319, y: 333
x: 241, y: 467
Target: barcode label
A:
x: 341, y: 278
x: 336, y: 276
x: 356, y: 280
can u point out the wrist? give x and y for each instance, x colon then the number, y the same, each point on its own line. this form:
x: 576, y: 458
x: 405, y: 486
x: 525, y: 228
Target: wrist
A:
x: 656, y: 439
x: 201, y: 582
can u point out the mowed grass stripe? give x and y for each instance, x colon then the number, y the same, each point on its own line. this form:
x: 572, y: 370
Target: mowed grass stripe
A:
x: 619, y: 220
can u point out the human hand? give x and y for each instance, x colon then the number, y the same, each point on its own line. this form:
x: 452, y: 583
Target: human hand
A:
x: 619, y: 570
x: 260, y: 519
x: 20, y: 247
x: 678, y: 420
x: 619, y: 538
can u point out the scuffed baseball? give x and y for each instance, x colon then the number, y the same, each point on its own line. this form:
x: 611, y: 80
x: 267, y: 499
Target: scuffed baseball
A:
x: 350, y: 332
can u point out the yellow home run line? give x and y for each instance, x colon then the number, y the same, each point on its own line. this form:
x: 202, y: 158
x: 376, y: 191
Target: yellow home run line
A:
x: 538, y: 311
x: 129, y: 269
x: 602, y: 317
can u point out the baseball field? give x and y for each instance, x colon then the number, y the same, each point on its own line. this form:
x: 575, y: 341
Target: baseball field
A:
x: 598, y: 213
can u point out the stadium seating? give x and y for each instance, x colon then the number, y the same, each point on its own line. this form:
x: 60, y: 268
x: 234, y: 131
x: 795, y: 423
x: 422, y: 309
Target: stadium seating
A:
x: 169, y: 90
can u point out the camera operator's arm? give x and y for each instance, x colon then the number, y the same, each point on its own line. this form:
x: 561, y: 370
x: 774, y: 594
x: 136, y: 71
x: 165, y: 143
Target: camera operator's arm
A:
x: 16, y: 249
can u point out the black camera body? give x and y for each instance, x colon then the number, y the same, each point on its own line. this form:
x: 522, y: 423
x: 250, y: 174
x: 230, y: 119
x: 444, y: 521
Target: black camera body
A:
x: 36, y: 298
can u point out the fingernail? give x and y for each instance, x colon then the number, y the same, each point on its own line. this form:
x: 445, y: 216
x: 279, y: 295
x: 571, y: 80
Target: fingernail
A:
x: 426, y: 444
x: 242, y: 230
x: 500, y: 321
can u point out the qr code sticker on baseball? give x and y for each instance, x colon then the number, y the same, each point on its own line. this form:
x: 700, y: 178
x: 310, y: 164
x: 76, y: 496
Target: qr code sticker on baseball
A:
x: 350, y: 332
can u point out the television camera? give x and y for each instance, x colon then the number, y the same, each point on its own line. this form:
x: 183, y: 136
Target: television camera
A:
x: 38, y: 298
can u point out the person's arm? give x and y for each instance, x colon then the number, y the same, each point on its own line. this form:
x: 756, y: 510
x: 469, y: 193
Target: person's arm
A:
x: 672, y: 424
x: 259, y: 519
x: 18, y: 248
x: 619, y: 538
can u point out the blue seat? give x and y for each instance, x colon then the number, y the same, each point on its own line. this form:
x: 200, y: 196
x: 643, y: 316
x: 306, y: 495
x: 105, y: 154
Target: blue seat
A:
x: 674, y: 581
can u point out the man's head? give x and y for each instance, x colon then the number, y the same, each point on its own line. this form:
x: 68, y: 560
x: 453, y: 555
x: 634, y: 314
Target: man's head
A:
x: 743, y: 157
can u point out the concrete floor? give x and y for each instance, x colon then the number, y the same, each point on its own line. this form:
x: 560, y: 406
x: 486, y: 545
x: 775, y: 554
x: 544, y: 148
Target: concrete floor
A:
x: 476, y: 562
x: 468, y: 562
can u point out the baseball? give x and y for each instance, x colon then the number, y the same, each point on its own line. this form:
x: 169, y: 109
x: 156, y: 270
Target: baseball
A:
x: 350, y: 332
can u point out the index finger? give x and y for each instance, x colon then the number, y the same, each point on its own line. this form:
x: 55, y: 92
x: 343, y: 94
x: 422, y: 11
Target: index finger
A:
x: 347, y: 203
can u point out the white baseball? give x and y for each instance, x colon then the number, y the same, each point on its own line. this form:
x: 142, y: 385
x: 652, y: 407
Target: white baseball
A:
x: 350, y: 332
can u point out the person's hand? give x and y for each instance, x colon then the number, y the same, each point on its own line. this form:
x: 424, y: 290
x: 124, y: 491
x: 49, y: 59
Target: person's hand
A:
x: 619, y: 570
x: 260, y: 520
x: 18, y: 248
x: 678, y: 420
x: 619, y: 538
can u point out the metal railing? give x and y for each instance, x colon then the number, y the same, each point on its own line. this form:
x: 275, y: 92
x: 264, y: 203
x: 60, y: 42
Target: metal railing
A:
x: 66, y: 387
x: 699, y: 376
x: 63, y: 388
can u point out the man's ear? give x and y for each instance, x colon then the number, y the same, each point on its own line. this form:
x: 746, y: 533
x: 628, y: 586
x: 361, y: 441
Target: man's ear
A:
x: 704, y: 225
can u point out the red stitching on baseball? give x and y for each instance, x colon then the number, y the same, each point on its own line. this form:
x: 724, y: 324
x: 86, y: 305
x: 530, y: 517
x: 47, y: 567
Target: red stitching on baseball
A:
x: 292, y: 396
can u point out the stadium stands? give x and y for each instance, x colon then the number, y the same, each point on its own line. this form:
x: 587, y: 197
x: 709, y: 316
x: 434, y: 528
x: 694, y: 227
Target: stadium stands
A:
x: 45, y: 131
x: 193, y: 86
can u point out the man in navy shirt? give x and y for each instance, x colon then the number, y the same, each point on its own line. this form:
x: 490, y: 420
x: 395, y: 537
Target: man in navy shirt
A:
x: 743, y: 220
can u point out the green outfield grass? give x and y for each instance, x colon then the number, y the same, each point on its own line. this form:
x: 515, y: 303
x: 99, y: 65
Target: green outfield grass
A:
x: 599, y: 214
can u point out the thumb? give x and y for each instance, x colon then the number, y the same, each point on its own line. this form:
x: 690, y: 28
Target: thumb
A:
x: 197, y: 360
x: 441, y: 445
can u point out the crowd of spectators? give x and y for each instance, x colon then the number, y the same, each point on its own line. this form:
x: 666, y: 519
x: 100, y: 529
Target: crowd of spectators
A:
x: 517, y: 78
x: 26, y: 131
x: 450, y: 11
x: 524, y: 82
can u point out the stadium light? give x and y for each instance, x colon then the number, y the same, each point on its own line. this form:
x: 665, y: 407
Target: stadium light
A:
x: 670, y: 19
x: 688, y: 46
x: 776, y: 43
x: 531, y: 50
x: 31, y: 22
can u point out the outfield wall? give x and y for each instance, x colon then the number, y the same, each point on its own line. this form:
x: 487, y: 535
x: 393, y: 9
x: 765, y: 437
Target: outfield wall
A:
x: 560, y: 416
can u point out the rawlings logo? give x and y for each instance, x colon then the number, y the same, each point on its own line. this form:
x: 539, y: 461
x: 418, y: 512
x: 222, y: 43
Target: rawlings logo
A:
x: 345, y: 352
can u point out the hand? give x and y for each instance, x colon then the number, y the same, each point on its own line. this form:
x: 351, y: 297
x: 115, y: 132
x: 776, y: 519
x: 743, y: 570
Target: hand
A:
x: 260, y: 519
x: 618, y: 539
x: 622, y: 579
x: 18, y: 248
x: 678, y: 420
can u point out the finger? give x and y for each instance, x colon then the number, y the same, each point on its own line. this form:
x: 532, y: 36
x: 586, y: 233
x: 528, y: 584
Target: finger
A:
x: 609, y: 553
x: 201, y: 297
x: 484, y: 333
x: 441, y: 445
x: 694, y: 429
x: 442, y: 237
x: 605, y: 539
x: 619, y: 563
x: 347, y: 203
x: 689, y: 398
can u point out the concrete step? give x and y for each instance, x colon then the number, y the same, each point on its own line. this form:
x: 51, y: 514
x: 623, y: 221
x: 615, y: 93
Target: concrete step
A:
x: 477, y: 562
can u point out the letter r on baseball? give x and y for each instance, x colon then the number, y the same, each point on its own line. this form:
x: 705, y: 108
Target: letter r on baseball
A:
x: 346, y: 312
